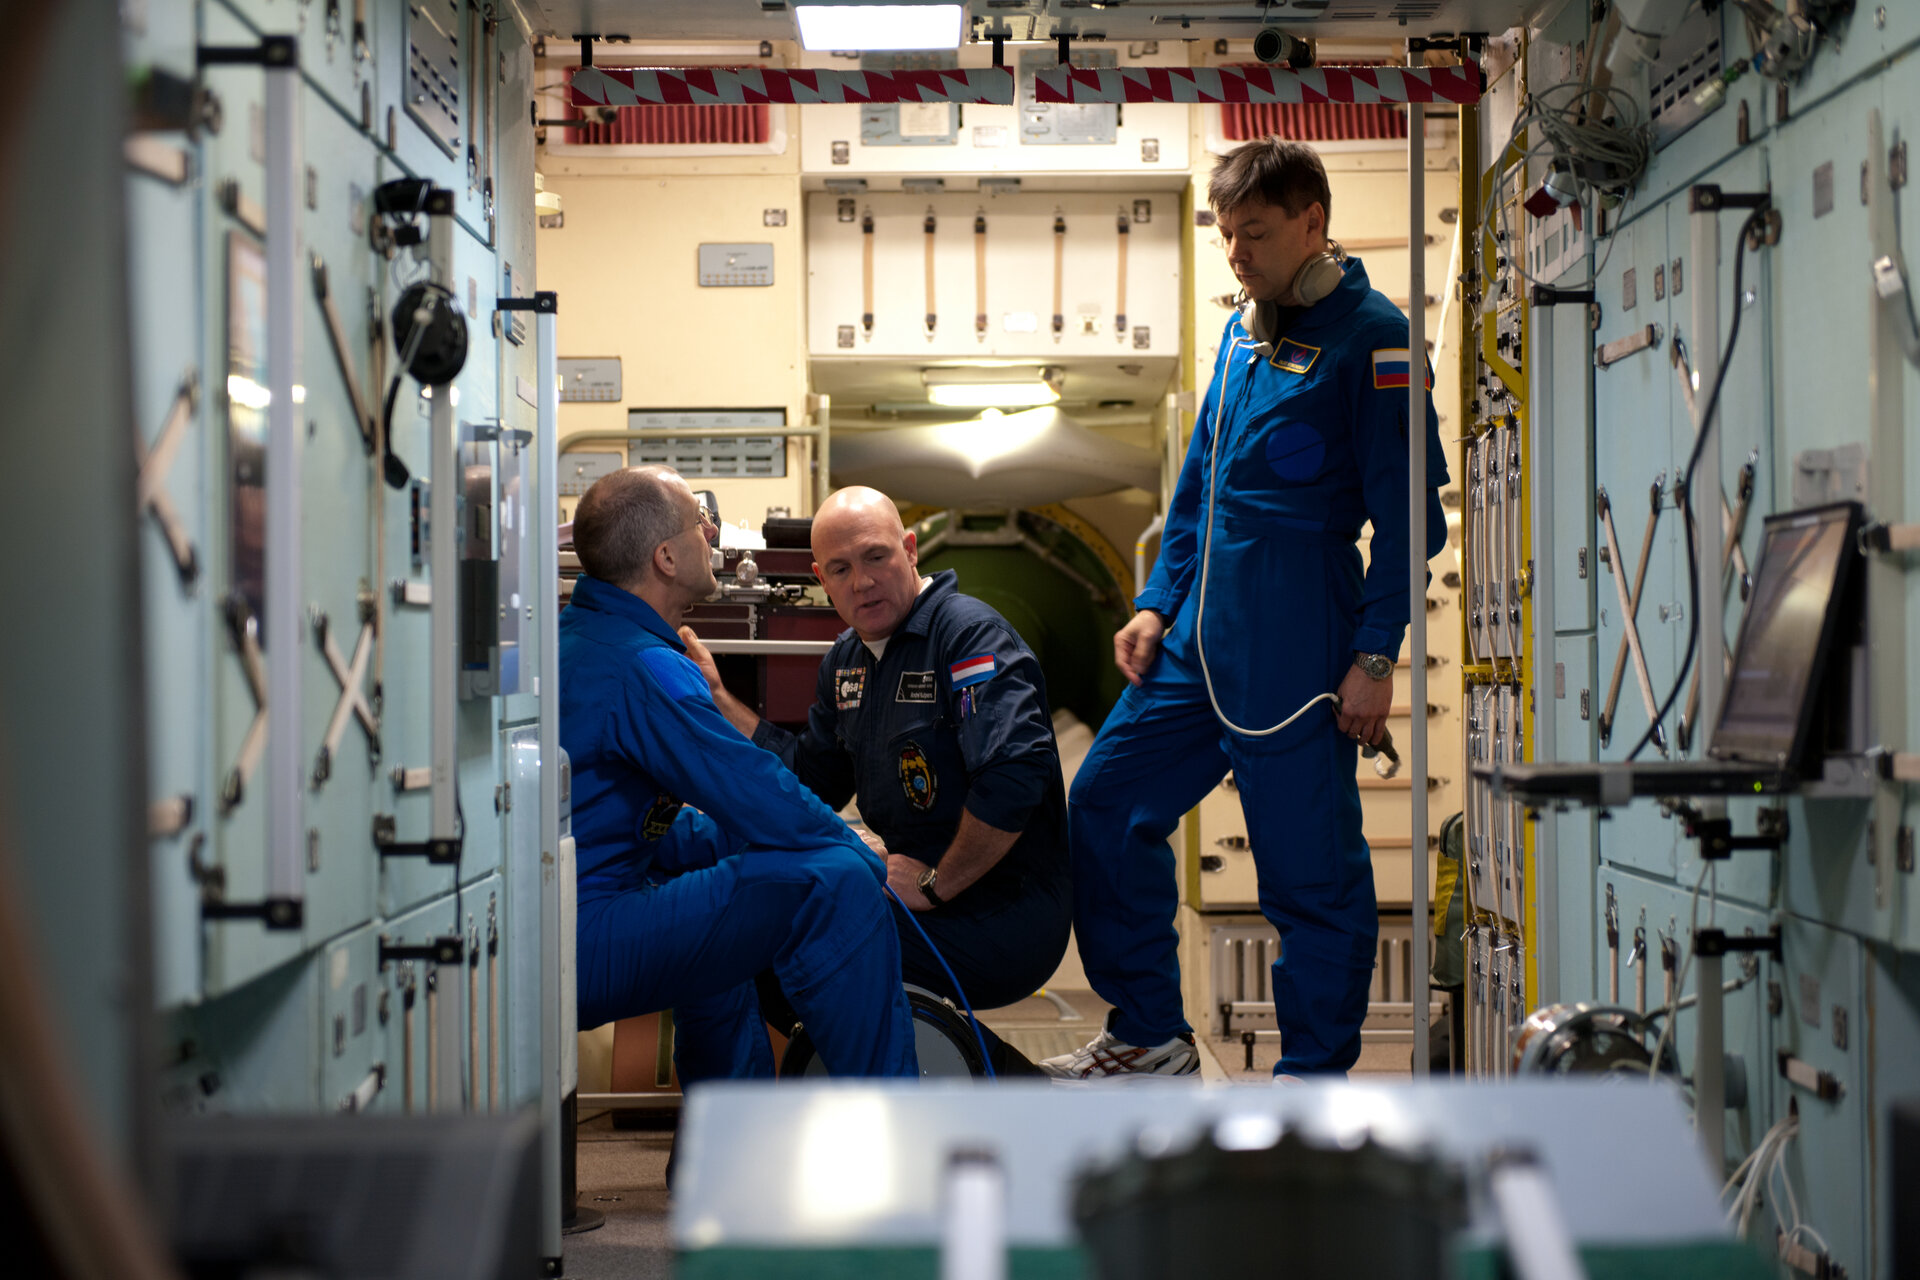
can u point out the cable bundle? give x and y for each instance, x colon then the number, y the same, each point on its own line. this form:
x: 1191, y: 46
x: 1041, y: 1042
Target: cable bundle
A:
x: 1756, y: 1174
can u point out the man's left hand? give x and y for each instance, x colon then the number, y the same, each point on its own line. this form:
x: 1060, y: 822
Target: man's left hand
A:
x: 903, y: 876
x: 1364, y: 703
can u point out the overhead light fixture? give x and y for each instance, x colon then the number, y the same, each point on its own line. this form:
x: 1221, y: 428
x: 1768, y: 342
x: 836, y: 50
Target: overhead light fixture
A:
x: 992, y: 388
x: 869, y: 26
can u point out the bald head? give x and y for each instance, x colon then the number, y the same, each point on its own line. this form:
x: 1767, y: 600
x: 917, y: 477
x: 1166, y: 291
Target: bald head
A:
x: 856, y: 508
x: 866, y: 559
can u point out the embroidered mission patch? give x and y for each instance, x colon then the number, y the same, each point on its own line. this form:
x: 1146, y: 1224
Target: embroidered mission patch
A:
x: 659, y: 816
x: 916, y: 777
x: 849, y: 683
x: 1294, y: 357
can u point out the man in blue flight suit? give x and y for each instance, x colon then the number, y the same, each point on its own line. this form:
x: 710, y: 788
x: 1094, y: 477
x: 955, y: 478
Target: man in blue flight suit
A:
x: 933, y: 712
x: 1257, y: 604
x: 701, y: 860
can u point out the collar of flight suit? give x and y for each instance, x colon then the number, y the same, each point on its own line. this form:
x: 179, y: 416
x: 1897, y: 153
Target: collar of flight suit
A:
x: 1338, y: 305
x: 919, y: 619
x: 603, y: 597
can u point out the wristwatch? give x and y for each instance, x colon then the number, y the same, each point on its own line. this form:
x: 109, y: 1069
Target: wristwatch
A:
x: 925, y: 885
x: 1377, y: 665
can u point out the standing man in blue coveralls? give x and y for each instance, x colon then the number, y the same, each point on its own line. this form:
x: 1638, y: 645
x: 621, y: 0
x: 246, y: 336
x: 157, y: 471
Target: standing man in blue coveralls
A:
x: 1257, y: 604
x: 933, y: 712
x: 702, y: 861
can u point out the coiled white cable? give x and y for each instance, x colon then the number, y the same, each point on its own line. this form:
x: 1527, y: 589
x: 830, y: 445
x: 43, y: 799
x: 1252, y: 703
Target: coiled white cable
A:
x: 1386, y: 761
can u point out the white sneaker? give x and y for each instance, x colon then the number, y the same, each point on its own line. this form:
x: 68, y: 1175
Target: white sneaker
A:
x: 1108, y: 1056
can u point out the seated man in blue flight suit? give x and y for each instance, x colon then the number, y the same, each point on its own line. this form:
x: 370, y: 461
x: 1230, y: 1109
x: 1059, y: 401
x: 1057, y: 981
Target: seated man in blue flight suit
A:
x: 701, y: 860
x: 933, y: 713
x: 1257, y: 604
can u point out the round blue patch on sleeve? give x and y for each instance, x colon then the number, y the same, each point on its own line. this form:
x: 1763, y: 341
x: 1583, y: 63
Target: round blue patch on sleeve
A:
x: 1295, y: 451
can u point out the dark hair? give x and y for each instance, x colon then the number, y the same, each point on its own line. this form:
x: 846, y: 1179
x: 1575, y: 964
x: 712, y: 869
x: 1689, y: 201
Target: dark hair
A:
x: 622, y: 521
x: 1274, y: 171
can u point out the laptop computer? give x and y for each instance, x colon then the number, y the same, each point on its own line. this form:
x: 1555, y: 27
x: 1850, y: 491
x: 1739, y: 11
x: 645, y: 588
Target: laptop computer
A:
x: 1760, y: 743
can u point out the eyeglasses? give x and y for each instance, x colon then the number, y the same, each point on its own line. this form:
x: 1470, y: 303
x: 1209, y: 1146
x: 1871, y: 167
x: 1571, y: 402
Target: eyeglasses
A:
x: 709, y: 527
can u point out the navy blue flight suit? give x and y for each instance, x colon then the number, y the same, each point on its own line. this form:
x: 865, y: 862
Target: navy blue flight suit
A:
x: 1312, y: 446
x: 952, y: 716
x: 702, y: 862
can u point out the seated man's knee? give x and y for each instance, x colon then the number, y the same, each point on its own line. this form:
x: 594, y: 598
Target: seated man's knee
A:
x: 840, y: 869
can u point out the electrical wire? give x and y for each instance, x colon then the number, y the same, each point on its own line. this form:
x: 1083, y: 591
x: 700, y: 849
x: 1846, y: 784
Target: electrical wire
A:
x: 1567, y: 135
x: 1693, y: 928
x: 1206, y: 549
x: 986, y: 1059
x: 1685, y: 489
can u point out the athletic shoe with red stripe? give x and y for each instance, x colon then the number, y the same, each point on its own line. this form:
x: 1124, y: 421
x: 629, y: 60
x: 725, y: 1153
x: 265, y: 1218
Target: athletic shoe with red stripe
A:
x: 1109, y: 1057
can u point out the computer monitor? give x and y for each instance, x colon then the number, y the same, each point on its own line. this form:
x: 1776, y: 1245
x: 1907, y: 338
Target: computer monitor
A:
x: 1806, y: 562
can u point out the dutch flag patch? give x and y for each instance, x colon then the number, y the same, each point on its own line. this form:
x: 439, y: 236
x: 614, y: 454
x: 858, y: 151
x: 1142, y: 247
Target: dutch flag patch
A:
x: 971, y: 671
x: 1390, y: 366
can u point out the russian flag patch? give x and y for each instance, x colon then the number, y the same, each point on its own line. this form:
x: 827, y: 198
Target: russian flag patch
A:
x: 971, y: 671
x: 1390, y: 367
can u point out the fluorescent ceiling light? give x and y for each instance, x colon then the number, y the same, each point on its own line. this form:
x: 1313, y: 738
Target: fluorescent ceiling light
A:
x: 984, y: 388
x: 828, y: 28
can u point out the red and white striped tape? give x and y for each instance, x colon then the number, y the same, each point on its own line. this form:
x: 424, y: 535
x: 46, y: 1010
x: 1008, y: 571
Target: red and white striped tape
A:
x: 1259, y: 84
x: 637, y: 86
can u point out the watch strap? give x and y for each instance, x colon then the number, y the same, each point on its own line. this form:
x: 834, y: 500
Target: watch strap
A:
x: 926, y: 883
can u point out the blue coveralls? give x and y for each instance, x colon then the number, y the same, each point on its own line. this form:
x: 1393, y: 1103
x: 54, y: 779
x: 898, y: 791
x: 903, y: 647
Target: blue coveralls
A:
x: 1312, y: 446
x: 703, y: 862
x: 952, y: 716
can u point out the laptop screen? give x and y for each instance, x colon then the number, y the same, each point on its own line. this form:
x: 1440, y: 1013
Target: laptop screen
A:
x: 1785, y: 635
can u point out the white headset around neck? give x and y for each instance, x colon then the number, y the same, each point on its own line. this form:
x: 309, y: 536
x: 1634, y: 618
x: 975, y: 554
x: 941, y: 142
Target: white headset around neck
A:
x: 1317, y: 278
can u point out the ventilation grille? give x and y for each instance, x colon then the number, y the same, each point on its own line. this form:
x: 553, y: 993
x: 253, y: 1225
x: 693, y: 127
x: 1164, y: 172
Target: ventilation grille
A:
x: 1314, y: 121
x: 721, y: 124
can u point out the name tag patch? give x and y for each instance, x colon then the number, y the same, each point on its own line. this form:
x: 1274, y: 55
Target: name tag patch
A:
x: 849, y: 683
x: 1294, y: 357
x: 916, y: 686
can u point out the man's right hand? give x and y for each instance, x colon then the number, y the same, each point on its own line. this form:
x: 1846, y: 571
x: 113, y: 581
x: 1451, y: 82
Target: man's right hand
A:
x: 702, y: 659
x: 738, y: 714
x: 1136, y: 644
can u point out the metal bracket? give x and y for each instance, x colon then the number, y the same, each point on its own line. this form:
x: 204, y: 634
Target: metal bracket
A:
x: 274, y: 913
x: 546, y: 300
x: 154, y: 464
x: 1717, y: 841
x: 438, y: 851
x: 1718, y: 942
x: 451, y: 949
x: 1892, y: 539
x: 272, y: 51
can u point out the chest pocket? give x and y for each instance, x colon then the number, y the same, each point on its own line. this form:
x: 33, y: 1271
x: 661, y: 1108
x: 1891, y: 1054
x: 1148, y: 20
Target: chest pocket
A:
x: 917, y: 787
x: 1295, y: 452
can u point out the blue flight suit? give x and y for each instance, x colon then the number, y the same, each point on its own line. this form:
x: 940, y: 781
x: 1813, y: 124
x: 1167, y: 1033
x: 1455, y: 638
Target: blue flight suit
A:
x: 951, y: 717
x: 702, y: 862
x: 1312, y: 446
